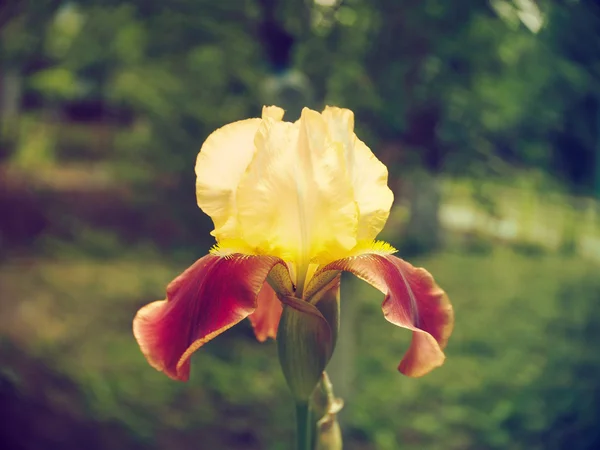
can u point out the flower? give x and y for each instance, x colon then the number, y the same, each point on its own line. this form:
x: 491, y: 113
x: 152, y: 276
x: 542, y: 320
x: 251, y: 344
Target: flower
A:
x: 293, y: 205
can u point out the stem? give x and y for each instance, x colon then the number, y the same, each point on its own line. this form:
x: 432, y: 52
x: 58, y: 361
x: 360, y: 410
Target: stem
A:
x: 303, y: 426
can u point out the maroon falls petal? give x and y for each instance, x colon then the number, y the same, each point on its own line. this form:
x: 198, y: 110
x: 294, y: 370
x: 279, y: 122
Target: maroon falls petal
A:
x: 211, y: 296
x: 265, y: 319
x: 412, y: 300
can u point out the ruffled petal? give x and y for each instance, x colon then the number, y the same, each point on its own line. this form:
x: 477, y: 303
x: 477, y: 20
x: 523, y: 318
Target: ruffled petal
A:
x: 374, y: 197
x: 412, y: 300
x: 265, y: 319
x: 274, y: 112
x: 220, y: 165
x: 211, y: 296
x: 369, y: 176
x: 296, y: 200
x: 222, y: 161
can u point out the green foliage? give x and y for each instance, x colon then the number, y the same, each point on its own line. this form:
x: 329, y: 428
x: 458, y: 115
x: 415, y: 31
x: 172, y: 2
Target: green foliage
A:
x: 36, y: 144
x: 56, y: 84
x: 450, y: 86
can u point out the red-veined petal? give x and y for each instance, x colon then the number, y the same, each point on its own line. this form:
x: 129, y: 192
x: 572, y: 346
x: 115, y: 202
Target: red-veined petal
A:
x: 412, y: 300
x: 265, y: 319
x: 208, y: 298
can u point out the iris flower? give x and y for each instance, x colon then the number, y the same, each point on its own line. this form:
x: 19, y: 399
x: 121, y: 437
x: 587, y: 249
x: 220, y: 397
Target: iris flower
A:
x: 293, y: 205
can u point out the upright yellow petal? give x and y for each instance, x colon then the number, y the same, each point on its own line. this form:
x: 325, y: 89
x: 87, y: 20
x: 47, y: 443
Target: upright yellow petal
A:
x: 374, y: 197
x: 306, y: 192
x: 222, y: 161
x: 274, y: 112
x: 296, y: 199
x: 368, y: 175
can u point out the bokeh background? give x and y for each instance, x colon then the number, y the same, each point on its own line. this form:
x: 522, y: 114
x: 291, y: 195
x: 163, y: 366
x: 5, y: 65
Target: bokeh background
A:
x: 487, y: 114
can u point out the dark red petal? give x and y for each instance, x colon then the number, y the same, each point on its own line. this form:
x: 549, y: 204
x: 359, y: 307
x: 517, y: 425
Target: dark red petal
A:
x: 412, y: 300
x: 265, y: 319
x: 211, y: 296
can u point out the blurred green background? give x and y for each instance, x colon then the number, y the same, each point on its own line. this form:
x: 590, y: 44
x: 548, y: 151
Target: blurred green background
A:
x: 487, y: 114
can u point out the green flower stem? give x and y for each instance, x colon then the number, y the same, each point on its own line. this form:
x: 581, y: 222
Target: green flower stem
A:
x: 304, y: 426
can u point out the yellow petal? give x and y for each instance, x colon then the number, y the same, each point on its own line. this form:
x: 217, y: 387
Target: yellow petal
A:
x: 222, y: 161
x: 368, y: 175
x: 296, y: 199
x: 374, y: 197
x: 274, y: 112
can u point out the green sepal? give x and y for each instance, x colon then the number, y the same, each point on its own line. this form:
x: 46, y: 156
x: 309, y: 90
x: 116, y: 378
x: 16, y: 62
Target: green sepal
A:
x: 305, y: 344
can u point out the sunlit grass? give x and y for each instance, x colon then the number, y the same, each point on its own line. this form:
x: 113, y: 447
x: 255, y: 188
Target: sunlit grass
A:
x: 527, y: 208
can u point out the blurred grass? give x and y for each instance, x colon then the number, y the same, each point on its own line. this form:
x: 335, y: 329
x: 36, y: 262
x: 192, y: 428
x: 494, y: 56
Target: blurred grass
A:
x: 504, y: 342
x: 74, y: 314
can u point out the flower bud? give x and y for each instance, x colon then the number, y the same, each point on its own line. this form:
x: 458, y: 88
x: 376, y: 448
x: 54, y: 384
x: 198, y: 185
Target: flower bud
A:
x: 325, y: 406
x: 305, y: 344
x: 329, y: 435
